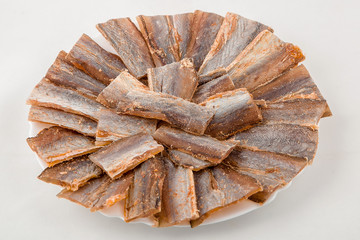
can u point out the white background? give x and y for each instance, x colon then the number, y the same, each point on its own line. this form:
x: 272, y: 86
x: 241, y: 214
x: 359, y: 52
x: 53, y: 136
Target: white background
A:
x: 322, y: 203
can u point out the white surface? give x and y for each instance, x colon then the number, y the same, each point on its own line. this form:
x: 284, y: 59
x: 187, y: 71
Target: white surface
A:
x: 323, y: 203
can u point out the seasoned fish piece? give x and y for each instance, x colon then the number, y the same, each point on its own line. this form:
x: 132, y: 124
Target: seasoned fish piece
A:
x: 55, y: 144
x: 182, y: 31
x: 178, y: 79
x: 87, y: 55
x: 112, y: 126
x: 125, y: 154
x: 203, y: 147
x: 235, y: 111
x: 129, y: 44
x: 145, y: 193
x: 204, y: 29
x: 235, y: 33
x: 219, y: 187
x: 217, y: 85
x: 264, y: 59
x: 100, y: 193
x: 178, y: 197
x: 187, y: 160
x: 121, y: 85
x: 65, y: 74
x: 292, y: 140
x: 46, y: 94
x: 183, y: 114
x: 71, y: 174
x: 68, y: 120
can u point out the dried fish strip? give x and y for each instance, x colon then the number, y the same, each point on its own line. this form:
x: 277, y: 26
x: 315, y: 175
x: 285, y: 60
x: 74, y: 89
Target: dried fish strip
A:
x: 219, y: 187
x: 217, y: 85
x: 122, y: 84
x: 129, y: 44
x: 204, y: 29
x: 145, y: 193
x: 187, y: 160
x: 183, y: 114
x: 65, y: 74
x: 235, y: 33
x: 87, y: 55
x: 203, y: 147
x: 288, y: 139
x: 46, y: 94
x: 182, y: 31
x: 63, y: 119
x: 125, y: 154
x: 100, y: 193
x: 235, y: 111
x: 71, y: 174
x: 178, y: 197
x: 55, y: 144
x: 178, y: 79
x: 112, y: 126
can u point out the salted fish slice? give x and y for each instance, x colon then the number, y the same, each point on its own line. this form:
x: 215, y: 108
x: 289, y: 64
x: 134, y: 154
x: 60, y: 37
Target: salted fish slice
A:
x: 217, y: 85
x: 187, y: 160
x: 121, y: 85
x: 55, y: 145
x: 182, y: 31
x: 113, y: 126
x: 46, y: 94
x: 288, y: 139
x: 178, y: 197
x: 65, y: 74
x: 178, y: 79
x: 235, y: 33
x: 100, y: 193
x: 264, y: 59
x: 129, y: 44
x: 181, y: 113
x: 219, y: 187
x: 204, y: 29
x: 125, y: 154
x: 71, y: 174
x: 145, y: 193
x: 235, y: 111
x: 63, y: 119
x: 87, y: 55
x: 203, y: 147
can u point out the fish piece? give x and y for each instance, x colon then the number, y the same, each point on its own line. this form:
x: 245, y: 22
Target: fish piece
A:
x: 217, y: 85
x: 46, y: 94
x: 264, y: 59
x: 178, y: 79
x: 112, y: 126
x: 235, y: 33
x: 125, y: 154
x: 235, y: 111
x: 71, y: 174
x: 182, y: 31
x: 219, y: 187
x: 87, y: 55
x: 178, y: 197
x: 65, y: 74
x: 292, y: 85
x: 288, y: 139
x: 204, y: 29
x: 63, y: 119
x: 55, y: 145
x: 181, y: 113
x: 145, y: 193
x: 122, y: 84
x: 100, y: 193
x: 203, y: 147
x: 129, y: 44
x: 304, y: 112
x: 187, y: 160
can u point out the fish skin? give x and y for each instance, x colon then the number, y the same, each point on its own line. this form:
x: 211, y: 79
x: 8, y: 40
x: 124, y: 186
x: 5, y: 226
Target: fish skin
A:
x: 187, y: 160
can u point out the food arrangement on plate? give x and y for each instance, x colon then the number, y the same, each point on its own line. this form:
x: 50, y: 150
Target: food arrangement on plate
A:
x: 195, y: 113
